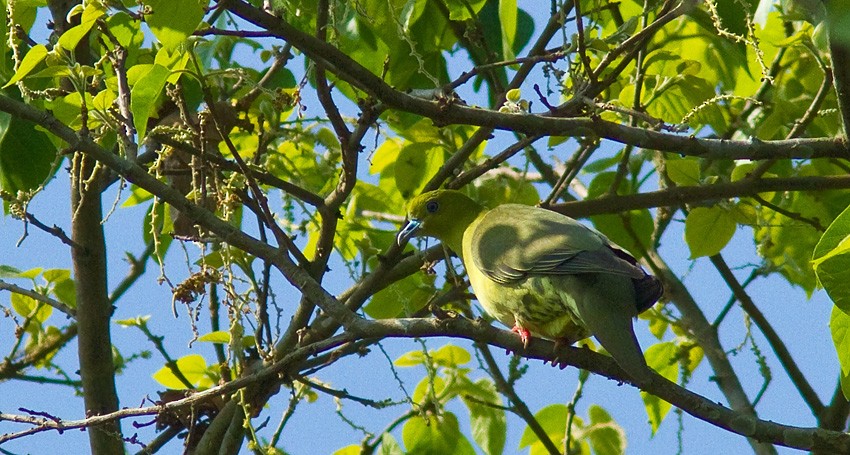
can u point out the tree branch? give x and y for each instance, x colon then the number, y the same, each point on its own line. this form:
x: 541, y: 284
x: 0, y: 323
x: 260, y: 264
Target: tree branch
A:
x: 70, y: 312
x: 531, y: 124
x: 806, y: 391
x: 695, y: 322
x: 679, y: 195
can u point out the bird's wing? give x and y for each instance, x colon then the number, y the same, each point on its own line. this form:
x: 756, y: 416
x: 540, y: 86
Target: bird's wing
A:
x: 513, y: 241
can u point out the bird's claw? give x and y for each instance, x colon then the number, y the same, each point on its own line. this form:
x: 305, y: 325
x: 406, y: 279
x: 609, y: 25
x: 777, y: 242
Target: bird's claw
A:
x: 556, y: 361
x: 524, y: 334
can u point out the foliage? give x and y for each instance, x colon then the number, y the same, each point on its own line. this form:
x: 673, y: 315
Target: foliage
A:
x: 272, y: 147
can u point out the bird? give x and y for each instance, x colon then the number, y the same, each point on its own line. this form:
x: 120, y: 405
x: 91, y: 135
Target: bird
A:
x: 542, y: 273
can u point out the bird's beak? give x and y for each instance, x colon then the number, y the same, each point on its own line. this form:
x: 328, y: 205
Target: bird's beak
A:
x: 408, y: 231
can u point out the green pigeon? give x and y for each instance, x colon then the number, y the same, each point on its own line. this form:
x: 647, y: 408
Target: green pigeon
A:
x: 542, y: 273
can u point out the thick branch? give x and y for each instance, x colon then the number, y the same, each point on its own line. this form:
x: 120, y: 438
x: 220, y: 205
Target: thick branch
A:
x: 680, y: 195
x: 94, y: 311
x: 448, y: 114
x: 135, y: 174
x: 696, y: 405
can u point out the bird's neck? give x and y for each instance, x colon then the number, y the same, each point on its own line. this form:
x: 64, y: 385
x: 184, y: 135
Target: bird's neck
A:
x: 454, y: 239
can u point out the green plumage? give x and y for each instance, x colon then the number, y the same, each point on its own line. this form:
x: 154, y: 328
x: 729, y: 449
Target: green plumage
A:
x: 542, y: 273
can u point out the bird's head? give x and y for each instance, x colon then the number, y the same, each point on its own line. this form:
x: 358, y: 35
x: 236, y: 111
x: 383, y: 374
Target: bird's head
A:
x: 442, y: 214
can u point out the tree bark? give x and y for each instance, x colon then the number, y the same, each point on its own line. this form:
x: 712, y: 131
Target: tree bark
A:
x: 93, y: 308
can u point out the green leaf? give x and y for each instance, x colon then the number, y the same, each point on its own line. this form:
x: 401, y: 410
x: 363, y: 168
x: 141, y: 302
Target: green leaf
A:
x: 504, y: 190
x: 66, y: 292
x: 353, y: 449
x: 553, y: 420
x: 7, y: 271
x: 26, y: 155
x: 438, y: 435
x: 31, y: 59
x: 416, y: 163
x: 606, y: 437
x: 839, y: 326
x: 459, y: 10
x: 138, y: 321
x: 31, y: 273
x: 508, y: 18
x: 193, y: 367
x: 71, y: 38
x: 488, y: 423
x: 832, y: 263
x: 175, y: 60
x: 684, y: 172
x: 144, y: 95
x: 137, y: 196
x: 219, y: 336
x: 172, y: 21
x: 126, y: 30
x: 661, y: 358
x: 451, y: 356
x: 708, y: 230
x: 54, y: 275
x: 428, y: 387
x: 28, y: 307
x: 404, y: 297
x: 389, y: 446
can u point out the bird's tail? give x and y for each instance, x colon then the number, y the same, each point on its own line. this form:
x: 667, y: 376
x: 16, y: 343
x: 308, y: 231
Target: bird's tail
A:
x: 607, y: 315
x: 647, y: 291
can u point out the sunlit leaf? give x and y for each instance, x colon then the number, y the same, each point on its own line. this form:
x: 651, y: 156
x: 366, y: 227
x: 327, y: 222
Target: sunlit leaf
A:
x: 661, y: 357
x: 487, y: 420
x: 606, y: 437
x: 708, y: 230
x: 219, y: 336
x: 31, y: 59
x: 144, y: 95
x: 172, y: 21
x: 192, y: 366
x: 439, y: 434
x: 832, y: 263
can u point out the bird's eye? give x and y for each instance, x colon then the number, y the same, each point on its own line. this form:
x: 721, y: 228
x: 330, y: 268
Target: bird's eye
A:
x: 432, y: 206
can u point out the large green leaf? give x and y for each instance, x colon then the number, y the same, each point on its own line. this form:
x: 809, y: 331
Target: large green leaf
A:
x: 438, y: 434
x: 508, y: 19
x: 26, y: 154
x: 606, y: 437
x: 145, y: 93
x: 71, y: 38
x: 708, y: 230
x: 789, y: 244
x: 831, y: 261
x: 488, y: 421
x: 31, y: 60
x: 839, y: 325
x: 404, y: 297
x: 193, y: 367
x: 552, y: 419
x: 661, y: 358
x: 417, y: 162
x: 172, y: 21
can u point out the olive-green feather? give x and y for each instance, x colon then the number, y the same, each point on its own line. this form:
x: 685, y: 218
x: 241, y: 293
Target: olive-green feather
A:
x: 541, y: 271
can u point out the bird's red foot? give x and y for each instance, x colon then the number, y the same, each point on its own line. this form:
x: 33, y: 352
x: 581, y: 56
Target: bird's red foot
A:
x: 524, y: 334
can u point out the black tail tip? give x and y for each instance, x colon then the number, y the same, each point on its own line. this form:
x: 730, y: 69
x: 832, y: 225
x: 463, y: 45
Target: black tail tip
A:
x: 647, y: 291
